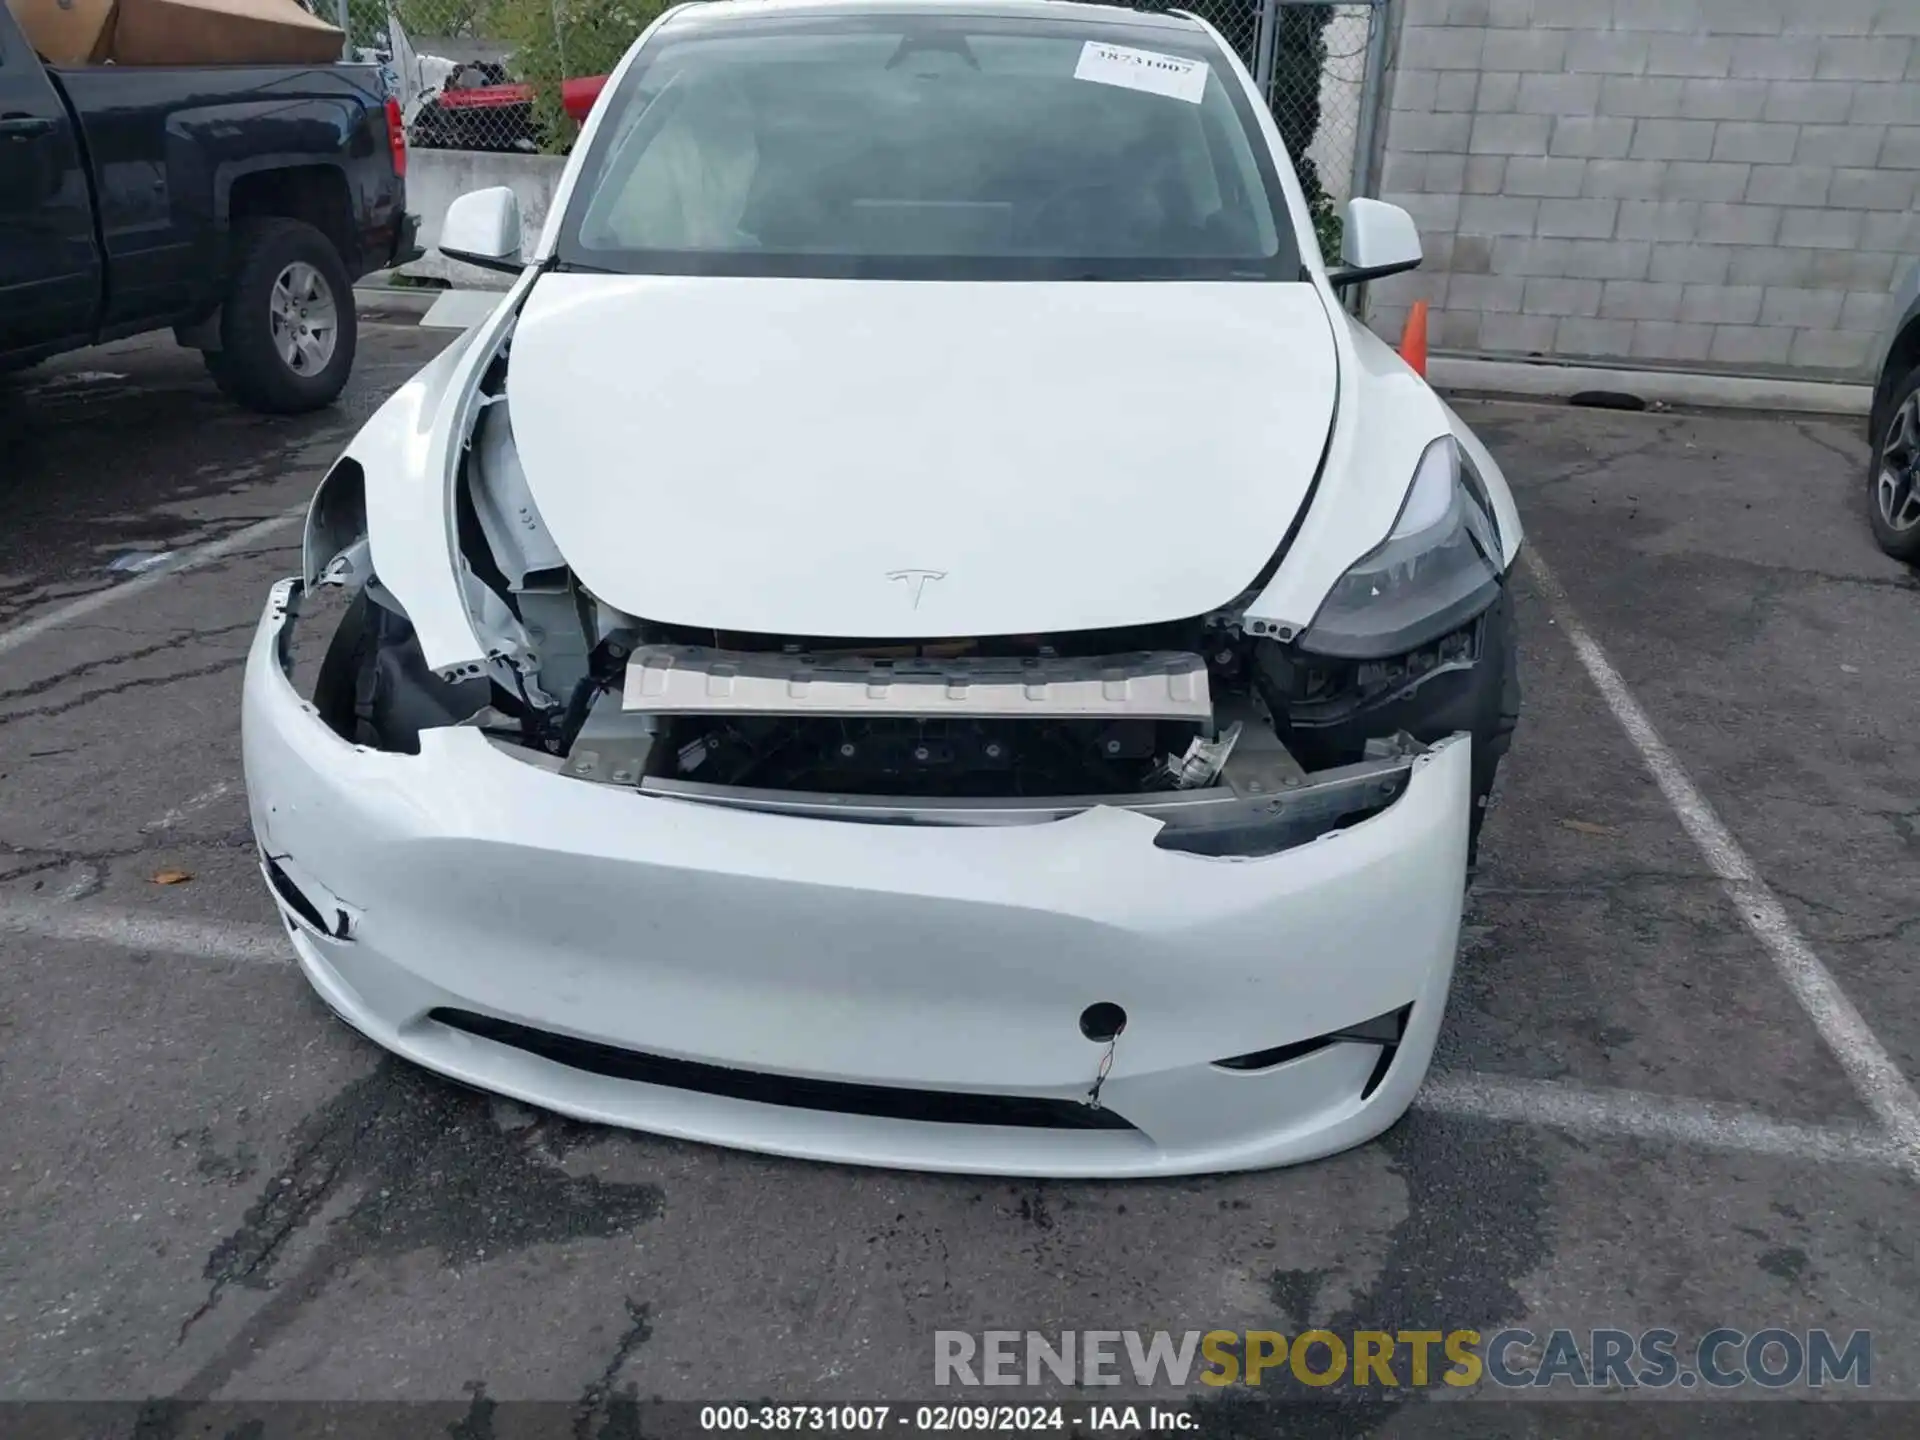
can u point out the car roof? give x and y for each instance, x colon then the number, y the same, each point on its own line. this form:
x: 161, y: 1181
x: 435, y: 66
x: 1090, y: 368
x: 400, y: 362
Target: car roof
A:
x: 720, y: 12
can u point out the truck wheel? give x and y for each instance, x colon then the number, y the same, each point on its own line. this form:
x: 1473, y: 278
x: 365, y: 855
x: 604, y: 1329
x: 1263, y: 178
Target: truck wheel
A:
x: 287, y: 324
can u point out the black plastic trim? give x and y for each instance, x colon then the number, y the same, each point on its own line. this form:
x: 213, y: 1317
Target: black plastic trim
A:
x: 295, y: 899
x: 1382, y: 1030
x: 1361, y: 274
x: 1431, y: 627
x: 888, y: 1102
x: 504, y: 264
x: 1279, y: 1055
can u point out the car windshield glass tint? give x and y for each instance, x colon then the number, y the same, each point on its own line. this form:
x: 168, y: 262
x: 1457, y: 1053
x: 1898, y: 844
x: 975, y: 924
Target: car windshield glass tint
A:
x: 926, y: 146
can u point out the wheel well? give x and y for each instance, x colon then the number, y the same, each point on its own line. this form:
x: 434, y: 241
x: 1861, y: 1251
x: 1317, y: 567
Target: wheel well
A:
x: 1901, y: 361
x: 316, y: 194
x: 336, y: 519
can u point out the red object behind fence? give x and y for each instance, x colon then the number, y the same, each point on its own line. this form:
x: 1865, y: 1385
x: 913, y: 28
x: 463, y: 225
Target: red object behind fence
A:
x: 577, y: 96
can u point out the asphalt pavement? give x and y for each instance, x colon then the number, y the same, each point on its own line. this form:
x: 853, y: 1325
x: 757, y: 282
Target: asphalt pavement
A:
x: 1647, y: 1110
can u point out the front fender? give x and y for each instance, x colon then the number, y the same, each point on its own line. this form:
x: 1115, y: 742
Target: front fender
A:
x: 1384, y: 419
x: 1494, y: 481
x: 405, y: 463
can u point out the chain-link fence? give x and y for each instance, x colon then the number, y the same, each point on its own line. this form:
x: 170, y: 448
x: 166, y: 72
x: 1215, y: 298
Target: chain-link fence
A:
x: 1320, y: 63
x: 517, y: 74
x: 492, y: 74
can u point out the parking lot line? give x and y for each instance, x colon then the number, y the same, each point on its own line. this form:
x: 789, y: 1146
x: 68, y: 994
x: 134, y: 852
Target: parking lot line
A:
x: 1876, y: 1078
x: 1577, y: 1110
x: 1638, y: 1115
x: 191, y: 806
x: 96, y: 600
x: 154, y: 934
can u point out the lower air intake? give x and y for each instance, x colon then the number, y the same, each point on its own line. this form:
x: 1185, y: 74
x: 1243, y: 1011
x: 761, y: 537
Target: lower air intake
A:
x: 888, y: 1102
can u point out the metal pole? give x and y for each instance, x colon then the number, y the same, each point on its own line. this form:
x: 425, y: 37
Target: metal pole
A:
x: 1265, y: 39
x: 1372, y: 97
x: 346, y: 29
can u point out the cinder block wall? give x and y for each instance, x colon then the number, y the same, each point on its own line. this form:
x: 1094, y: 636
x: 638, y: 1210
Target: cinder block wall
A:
x: 1717, y: 184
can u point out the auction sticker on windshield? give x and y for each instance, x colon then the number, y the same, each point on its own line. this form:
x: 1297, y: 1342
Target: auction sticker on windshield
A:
x: 1142, y: 70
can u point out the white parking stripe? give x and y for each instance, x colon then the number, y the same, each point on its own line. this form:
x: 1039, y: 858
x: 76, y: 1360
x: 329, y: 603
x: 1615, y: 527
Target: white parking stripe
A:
x: 1634, y: 1114
x: 96, y: 600
x: 1875, y: 1076
x: 1601, y: 1114
x: 193, y: 805
x: 152, y: 934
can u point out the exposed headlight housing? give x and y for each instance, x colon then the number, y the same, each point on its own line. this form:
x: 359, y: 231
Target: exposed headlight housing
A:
x: 1437, y: 569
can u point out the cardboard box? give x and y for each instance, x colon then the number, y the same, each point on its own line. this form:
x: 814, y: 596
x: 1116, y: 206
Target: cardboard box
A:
x: 221, y: 32
x: 66, y: 32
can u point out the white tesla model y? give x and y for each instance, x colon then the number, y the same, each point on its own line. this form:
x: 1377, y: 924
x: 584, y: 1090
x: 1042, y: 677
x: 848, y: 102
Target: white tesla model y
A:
x: 918, y: 632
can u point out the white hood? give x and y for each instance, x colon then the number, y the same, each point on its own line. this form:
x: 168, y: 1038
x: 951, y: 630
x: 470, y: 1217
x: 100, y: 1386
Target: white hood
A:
x: 895, y: 458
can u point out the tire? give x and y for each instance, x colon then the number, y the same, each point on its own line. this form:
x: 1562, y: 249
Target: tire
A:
x: 1893, y: 475
x: 276, y: 355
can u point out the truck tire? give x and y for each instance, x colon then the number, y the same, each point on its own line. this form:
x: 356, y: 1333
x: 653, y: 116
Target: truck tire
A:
x: 287, y: 324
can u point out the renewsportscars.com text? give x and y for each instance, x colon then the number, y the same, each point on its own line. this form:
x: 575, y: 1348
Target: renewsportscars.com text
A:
x: 1719, y: 1359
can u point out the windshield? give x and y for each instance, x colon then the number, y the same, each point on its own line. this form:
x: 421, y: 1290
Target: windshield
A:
x: 930, y: 146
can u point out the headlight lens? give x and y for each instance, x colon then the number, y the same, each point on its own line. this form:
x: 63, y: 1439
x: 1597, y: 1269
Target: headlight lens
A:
x: 1436, y: 570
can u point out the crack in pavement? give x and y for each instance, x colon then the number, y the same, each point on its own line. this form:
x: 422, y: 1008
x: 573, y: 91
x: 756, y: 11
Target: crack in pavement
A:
x: 84, y: 667
x: 429, y: 1169
x: 171, y: 842
x: 1811, y: 802
x: 1906, y: 584
x: 197, y: 672
x: 599, y: 1398
x: 1855, y: 458
x: 1584, y: 468
x: 297, y: 1193
x: 1897, y: 931
x: 1818, y: 907
x: 39, y: 867
x: 1475, y: 1227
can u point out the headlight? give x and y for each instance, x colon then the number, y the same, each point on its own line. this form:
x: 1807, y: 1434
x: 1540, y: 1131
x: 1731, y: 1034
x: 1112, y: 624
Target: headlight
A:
x: 1437, y: 569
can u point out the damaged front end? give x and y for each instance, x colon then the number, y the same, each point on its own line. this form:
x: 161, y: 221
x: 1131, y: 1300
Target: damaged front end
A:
x: 1239, y: 743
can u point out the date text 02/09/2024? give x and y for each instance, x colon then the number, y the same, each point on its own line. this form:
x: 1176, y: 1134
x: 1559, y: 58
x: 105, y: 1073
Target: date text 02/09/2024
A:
x: 941, y: 1419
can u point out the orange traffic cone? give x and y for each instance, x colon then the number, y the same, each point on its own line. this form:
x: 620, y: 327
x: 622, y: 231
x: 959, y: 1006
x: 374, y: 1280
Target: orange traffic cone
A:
x: 1413, y: 340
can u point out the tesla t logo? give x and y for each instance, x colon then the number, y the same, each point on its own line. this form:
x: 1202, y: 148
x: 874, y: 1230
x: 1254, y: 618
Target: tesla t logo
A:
x: 917, y: 581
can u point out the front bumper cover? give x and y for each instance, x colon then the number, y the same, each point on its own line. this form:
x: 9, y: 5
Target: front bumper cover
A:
x: 953, y: 961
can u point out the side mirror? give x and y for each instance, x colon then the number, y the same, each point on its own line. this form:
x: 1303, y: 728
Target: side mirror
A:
x: 483, y: 228
x: 1378, y: 240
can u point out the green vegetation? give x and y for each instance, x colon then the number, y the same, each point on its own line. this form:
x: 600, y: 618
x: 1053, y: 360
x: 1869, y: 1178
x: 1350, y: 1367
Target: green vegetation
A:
x: 553, y: 40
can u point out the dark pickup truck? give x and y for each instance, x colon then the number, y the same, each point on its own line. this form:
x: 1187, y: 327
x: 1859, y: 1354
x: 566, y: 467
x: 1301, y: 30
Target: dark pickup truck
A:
x: 236, y: 204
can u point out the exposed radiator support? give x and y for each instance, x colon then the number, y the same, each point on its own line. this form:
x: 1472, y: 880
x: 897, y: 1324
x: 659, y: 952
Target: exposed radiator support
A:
x: 695, y: 680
